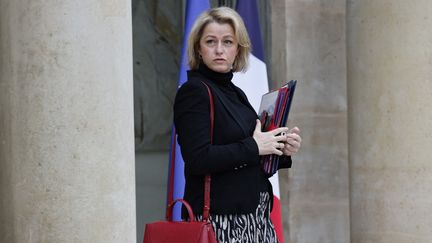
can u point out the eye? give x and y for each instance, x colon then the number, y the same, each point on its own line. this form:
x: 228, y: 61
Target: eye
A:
x: 210, y: 42
x: 228, y: 42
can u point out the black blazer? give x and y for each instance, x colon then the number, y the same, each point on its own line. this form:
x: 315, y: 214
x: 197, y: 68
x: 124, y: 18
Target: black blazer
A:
x: 232, y: 159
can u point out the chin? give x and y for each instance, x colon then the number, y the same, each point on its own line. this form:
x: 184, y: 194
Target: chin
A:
x: 220, y: 69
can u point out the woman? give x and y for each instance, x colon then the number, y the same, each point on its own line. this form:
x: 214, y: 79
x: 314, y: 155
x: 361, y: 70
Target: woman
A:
x: 241, y: 194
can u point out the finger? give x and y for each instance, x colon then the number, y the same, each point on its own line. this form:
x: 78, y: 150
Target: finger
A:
x: 294, y: 137
x: 291, y: 149
x: 279, y: 130
x: 295, y: 145
x: 278, y: 145
x: 295, y: 130
x: 292, y: 143
x: 291, y: 152
x: 281, y: 145
x: 258, y: 125
x: 278, y: 152
x: 280, y: 138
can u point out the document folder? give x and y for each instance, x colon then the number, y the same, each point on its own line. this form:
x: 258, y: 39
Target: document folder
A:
x: 273, y: 113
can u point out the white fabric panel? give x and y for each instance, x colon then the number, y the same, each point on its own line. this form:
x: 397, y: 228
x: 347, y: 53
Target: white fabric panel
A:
x: 254, y: 83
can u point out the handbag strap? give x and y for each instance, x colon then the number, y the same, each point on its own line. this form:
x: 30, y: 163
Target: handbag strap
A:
x: 168, y: 214
x: 207, y: 178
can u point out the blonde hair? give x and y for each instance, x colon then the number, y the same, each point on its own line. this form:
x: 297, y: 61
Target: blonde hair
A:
x: 220, y: 15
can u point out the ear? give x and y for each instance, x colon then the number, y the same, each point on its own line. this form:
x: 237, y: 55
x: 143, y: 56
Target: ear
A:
x: 236, y: 57
x: 199, y: 53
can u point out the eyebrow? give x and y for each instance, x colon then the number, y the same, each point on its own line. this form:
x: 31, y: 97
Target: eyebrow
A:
x: 213, y: 36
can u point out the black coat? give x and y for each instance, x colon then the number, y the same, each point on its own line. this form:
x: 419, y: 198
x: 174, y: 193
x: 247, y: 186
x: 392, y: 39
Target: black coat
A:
x: 232, y: 159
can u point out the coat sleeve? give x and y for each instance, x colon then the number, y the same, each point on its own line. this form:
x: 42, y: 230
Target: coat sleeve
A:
x: 285, y: 162
x: 192, y: 123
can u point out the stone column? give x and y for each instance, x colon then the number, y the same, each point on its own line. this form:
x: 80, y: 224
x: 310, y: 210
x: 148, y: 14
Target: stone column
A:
x: 390, y: 120
x: 66, y: 123
x: 309, y: 45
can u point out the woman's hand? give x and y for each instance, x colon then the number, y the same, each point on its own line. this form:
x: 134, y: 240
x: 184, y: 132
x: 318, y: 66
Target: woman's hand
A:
x: 270, y: 142
x: 293, y: 142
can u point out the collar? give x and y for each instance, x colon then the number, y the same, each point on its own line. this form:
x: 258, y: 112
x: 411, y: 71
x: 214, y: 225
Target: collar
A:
x: 223, y: 79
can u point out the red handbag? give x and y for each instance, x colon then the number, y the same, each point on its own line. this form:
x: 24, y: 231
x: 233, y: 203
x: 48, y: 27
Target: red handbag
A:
x: 184, y: 231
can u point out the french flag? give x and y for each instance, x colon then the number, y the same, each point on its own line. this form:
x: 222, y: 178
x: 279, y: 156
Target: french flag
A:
x: 254, y: 83
x: 193, y: 9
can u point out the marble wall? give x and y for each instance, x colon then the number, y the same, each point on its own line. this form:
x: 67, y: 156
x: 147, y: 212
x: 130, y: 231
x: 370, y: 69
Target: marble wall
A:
x: 66, y: 125
x: 309, y: 45
x: 390, y: 124
x: 157, y: 47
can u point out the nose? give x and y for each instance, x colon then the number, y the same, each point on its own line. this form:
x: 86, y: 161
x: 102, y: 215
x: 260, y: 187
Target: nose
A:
x: 219, y: 48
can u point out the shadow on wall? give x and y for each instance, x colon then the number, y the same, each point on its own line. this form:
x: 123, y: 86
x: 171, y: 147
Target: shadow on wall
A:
x: 151, y: 185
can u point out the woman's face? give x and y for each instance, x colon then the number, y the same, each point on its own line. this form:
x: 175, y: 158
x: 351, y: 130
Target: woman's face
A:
x: 218, y: 47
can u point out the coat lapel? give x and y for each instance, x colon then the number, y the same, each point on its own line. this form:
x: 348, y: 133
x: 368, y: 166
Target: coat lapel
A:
x: 217, y: 93
x: 243, y: 98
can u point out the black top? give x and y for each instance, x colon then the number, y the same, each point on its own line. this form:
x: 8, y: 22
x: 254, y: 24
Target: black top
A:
x: 232, y: 159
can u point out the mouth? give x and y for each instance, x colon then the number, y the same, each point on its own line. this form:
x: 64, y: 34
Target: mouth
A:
x: 219, y: 60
